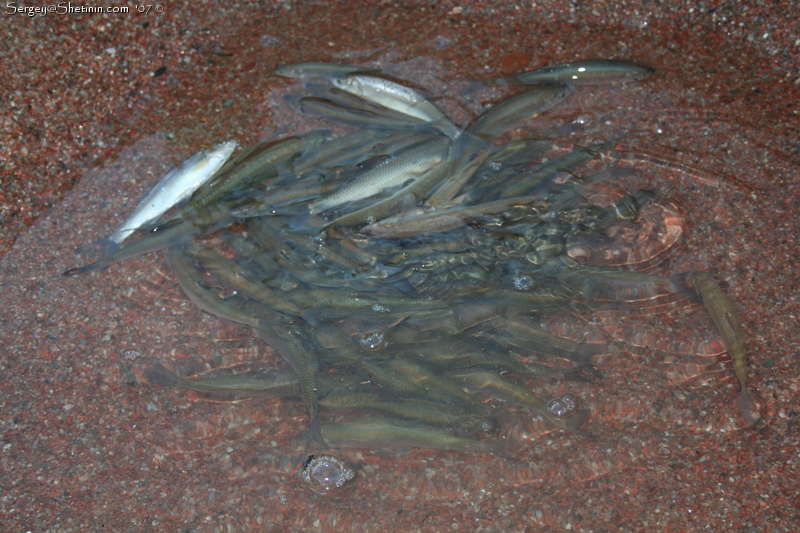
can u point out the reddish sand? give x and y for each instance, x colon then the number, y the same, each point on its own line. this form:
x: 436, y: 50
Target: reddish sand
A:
x: 98, y: 107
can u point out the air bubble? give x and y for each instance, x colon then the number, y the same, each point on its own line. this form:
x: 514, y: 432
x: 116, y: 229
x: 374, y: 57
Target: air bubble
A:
x: 523, y: 283
x: 563, y: 406
x: 378, y: 308
x: 270, y: 41
x: 130, y: 355
x: 373, y: 341
x: 326, y: 473
x: 488, y: 426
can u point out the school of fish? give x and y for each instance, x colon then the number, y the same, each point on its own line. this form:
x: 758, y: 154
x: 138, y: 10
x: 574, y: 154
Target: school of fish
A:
x: 400, y: 269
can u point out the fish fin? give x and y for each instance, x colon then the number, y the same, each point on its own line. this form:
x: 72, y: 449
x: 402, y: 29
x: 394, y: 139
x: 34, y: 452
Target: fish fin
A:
x: 499, y: 446
x: 680, y: 286
x: 587, y: 373
x: 460, y: 200
x: 497, y: 82
x: 573, y: 422
x: 747, y: 408
x: 307, y: 223
x: 314, y: 433
x: 408, y: 204
x: 160, y: 375
x: 294, y: 101
x: 153, y: 227
x: 312, y: 436
x: 367, y: 230
x: 84, y: 269
x: 105, y: 246
x: 311, y: 317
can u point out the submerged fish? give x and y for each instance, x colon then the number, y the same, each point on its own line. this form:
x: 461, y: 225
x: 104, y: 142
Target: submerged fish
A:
x: 173, y: 234
x: 441, y: 414
x: 234, y: 308
x: 586, y: 72
x: 239, y: 279
x: 290, y: 343
x: 281, y: 382
x: 374, y: 432
x: 320, y: 69
x: 723, y: 312
x: 440, y: 305
x: 514, y: 111
x: 274, y: 383
x: 422, y: 222
x: 261, y: 165
x: 392, y: 171
x: 359, y: 116
x: 502, y: 388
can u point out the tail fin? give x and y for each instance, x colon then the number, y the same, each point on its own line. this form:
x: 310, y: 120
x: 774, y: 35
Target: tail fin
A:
x: 159, y: 375
x: 501, y: 446
x: 573, y: 422
x: 83, y: 269
x: 587, y: 373
x: 747, y: 408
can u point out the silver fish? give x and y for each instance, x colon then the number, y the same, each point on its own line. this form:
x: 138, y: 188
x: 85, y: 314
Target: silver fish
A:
x: 375, y: 432
x: 397, y: 97
x: 176, y: 186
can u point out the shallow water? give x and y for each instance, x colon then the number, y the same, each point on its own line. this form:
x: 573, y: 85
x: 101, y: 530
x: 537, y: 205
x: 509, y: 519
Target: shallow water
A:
x: 75, y: 346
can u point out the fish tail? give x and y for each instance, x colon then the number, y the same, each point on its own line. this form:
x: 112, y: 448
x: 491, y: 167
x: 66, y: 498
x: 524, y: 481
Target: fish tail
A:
x: 314, y: 433
x: 85, y: 268
x: 495, y: 446
x: 159, y: 375
x: 498, y: 82
x: 573, y: 422
x: 747, y: 408
x: 587, y: 373
x: 679, y: 285
x: 306, y: 221
x: 582, y: 356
